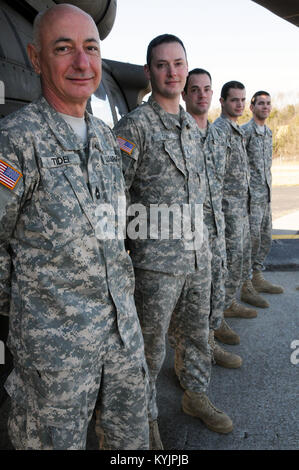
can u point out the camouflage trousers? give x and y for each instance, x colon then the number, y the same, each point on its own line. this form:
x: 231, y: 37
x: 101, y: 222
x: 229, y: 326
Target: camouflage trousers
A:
x: 260, y: 220
x: 238, y: 247
x: 51, y: 410
x: 218, y: 275
x: 180, y: 304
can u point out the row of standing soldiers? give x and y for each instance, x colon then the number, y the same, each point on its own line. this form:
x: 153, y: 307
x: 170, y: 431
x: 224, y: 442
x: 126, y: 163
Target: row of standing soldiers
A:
x: 87, y: 320
x: 173, y: 158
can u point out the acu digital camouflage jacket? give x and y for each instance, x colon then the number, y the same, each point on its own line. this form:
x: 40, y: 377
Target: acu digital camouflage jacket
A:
x: 162, y: 166
x: 259, y: 151
x: 59, y: 278
x: 236, y: 177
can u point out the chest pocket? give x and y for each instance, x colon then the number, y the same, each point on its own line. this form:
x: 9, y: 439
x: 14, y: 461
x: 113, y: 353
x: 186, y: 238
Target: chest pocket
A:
x: 58, y: 206
x: 105, y: 176
x: 52, y: 171
x: 107, y: 188
x: 154, y: 173
x: 173, y: 149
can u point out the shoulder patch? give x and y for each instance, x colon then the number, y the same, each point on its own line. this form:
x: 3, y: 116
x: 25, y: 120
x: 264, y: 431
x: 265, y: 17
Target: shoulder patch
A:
x: 125, y: 145
x: 9, y: 176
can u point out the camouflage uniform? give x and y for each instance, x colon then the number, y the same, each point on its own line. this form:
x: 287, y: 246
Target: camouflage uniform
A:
x: 235, y: 205
x: 69, y: 294
x: 161, y: 166
x: 259, y: 151
x: 213, y: 147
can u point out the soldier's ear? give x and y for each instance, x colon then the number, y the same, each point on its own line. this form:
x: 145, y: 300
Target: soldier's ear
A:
x: 34, y: 57
x: 147, y: 71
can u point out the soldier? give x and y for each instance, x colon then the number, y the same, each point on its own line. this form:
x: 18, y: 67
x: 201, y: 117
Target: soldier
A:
x: 235, y: 202
x: 198, y: 96
x: 162, y: 169
x: 74, y: 331
x: 259, y: 150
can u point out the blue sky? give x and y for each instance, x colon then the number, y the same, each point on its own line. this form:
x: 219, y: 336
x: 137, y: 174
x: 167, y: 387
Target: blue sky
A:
x: 233, y: 39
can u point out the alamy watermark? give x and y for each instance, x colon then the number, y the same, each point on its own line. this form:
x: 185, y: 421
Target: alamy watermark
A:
x: 295, y: 354
x: 2, y: 353
x: 2, y: 92
x: 156, y: 222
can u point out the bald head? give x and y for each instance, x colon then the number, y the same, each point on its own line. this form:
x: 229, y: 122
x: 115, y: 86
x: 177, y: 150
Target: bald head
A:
x: 51, y: 14
x: 66, y: 54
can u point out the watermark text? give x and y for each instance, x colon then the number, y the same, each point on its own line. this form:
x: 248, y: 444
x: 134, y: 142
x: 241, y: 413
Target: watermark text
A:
x: 2, y: 92
x: 295, y: 354
x: 167, y: 460
x: 2, y: 353
x: 154, y: 222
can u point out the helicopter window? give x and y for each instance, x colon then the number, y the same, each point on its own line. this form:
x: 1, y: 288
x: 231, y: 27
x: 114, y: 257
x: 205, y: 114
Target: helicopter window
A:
x: 118, y: 101
x: 108, y: 102
x: 101, y: 107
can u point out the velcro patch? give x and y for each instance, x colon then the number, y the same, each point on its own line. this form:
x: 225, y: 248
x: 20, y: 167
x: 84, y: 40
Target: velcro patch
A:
x: 9, y: 176
x: 125, y: 145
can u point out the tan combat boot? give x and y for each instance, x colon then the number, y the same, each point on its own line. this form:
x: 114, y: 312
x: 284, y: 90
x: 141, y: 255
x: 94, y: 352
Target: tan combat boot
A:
x: 155, y: 442
x: 238, y: 310
x: 198, y: 405
x: 250, y: 296
x: 226, y: 335
x: 261, y: 285
x: 221, y: 357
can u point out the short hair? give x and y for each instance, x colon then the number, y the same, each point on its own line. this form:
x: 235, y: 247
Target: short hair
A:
x: 227, y: 86
x: 196, y: 72
x: 256, y: 94
x: 36, y: 29
x: 162, y: 39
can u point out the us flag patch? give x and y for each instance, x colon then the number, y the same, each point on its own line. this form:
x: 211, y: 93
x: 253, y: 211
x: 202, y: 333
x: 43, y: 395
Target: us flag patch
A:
x: 125, y: 145
x: 8, y: 175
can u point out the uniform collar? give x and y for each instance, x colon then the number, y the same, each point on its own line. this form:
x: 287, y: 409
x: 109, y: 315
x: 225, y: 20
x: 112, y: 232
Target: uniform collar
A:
x: 257, y: 129
x: 62, y: 131
x: 168, y: 121
x: 233, y: 124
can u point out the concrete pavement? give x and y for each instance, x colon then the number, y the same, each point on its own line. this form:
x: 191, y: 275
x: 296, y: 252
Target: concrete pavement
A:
x: 261, y: 397
x: 288, y: 223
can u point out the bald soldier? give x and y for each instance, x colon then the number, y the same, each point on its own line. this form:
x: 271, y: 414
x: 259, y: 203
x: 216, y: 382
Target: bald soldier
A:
x: 66, y: 285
